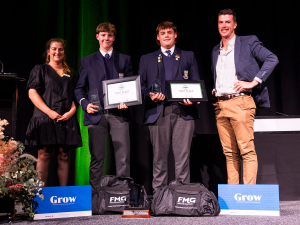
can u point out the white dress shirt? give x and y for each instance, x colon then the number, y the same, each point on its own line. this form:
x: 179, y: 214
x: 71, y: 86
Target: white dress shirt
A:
x: 104, y: 53
x: 225, y: 70
x: 226, y: 75
x: 163, y: 50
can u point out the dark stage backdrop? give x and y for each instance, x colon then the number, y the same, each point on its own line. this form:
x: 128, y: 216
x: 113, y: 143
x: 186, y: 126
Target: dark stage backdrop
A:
x: 27, y: 25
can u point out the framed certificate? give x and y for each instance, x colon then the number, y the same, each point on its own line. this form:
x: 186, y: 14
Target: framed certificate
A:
x: 127, y: 90
x: 194, y: 90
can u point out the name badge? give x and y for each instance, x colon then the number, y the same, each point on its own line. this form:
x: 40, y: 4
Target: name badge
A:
x: 186, y: 74
x: 121, y: 75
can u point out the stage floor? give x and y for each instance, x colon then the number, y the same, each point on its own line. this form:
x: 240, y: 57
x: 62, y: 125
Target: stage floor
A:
x: 289, y: 214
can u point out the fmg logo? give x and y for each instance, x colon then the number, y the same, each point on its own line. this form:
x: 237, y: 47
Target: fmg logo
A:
x: 60, y: 200
x: 183, y: 200
x: 118, y: 199
x: 249, y: 198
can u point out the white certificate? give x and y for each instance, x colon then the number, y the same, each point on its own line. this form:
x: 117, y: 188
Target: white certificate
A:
x: 121, y: 92
x: 186, y: 90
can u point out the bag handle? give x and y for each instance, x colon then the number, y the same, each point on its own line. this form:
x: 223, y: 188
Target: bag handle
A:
x: 194, y: 184
x: 109, y: 183
x: 187, y: 186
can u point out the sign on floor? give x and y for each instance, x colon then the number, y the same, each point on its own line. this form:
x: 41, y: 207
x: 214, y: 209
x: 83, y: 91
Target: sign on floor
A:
x: 259, y: 199
x: 61, y: 202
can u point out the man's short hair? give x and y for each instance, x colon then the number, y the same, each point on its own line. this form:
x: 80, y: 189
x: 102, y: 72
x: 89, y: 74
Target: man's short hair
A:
x: 106, y: 27
x: 228, y: 12
x: 165, y: 25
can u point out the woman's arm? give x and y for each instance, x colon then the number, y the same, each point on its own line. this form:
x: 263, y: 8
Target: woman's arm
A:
x: 40, y: 104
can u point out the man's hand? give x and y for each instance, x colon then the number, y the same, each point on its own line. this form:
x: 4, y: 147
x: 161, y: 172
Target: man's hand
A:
x: 157, y: 97
x: 91, y: 109
x: 187, y: 102
x: 214, y: 97
x: 240, y: 85
x: 122, y: 106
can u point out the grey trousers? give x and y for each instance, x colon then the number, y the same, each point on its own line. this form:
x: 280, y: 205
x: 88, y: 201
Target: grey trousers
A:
x: 169, y: 128
x: 119, y: 131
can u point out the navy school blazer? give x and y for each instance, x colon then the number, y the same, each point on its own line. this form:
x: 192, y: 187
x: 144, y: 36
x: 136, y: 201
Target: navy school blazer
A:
x: 151, y: 69
x: 248, y: 54
x: 92, y: 73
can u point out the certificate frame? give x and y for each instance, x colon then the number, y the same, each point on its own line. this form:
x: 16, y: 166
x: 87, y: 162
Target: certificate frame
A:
x: 106, y: 83
x: 186, y: 83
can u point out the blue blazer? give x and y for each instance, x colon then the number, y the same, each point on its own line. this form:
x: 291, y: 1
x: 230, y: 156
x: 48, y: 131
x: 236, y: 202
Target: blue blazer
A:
x: 92, y: 73
x: 248, y: 50
x: 151, y: 69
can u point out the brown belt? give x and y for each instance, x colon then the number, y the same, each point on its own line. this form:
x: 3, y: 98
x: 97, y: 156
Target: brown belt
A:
x: 227, y: 97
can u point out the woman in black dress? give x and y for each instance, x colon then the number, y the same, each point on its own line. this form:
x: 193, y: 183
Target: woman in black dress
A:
x: 54, y: 124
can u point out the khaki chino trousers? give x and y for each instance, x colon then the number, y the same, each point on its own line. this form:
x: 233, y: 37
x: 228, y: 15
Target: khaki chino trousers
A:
x: 235, y: 122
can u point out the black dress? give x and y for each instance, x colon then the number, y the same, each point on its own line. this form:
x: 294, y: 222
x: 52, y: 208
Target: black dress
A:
x: 58, y: 94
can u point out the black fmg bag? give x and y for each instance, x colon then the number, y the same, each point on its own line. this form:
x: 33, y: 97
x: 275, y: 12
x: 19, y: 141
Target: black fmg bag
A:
x: 180, y: 198
x: 116, y: 193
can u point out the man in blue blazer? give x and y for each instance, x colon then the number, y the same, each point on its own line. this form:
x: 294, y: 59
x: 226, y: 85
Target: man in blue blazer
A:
x: 239, y: 84
x: 169, y: 123
x: 105, y: 64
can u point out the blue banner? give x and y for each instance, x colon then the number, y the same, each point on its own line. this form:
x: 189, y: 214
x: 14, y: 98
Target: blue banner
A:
x: 69, y: 201
x: 257, y: 199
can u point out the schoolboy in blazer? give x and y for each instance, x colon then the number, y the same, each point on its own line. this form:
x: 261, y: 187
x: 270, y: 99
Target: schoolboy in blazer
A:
x: 169, y: 123
x: 105, y: 64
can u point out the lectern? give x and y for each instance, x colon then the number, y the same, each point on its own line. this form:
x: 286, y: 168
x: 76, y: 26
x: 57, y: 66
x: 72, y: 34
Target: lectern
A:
x: 8, y: 101
x: 277, y: 144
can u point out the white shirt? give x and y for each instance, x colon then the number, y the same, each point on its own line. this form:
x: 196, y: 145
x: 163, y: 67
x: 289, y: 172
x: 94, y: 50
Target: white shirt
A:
x: 226, y: 75
x: 225, y: 69
x: 104, y: 53
x: 163, y: 50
